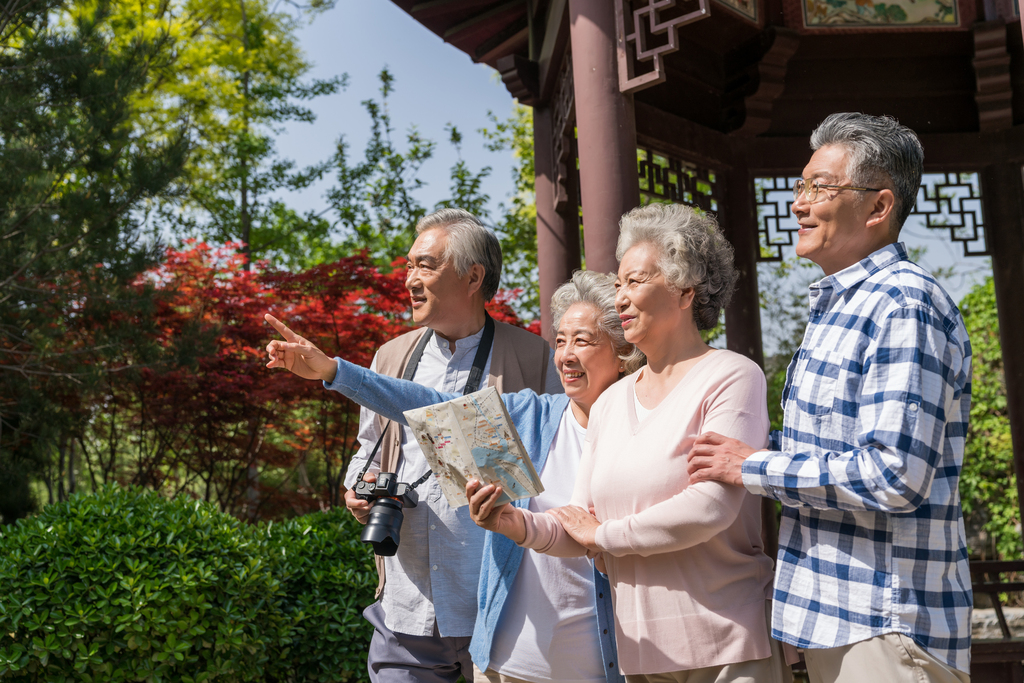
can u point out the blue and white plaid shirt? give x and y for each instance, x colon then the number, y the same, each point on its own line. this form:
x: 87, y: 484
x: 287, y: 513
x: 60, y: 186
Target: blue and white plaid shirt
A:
x: 868, y: 462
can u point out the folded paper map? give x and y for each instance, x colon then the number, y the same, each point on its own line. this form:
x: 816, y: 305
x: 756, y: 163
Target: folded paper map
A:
x: 473, y: 437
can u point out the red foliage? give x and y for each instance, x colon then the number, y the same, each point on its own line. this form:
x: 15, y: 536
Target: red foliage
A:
x: 219, y: 424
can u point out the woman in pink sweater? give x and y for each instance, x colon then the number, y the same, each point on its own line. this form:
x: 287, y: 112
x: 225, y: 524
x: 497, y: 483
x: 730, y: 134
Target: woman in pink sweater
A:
x: 689, y: 574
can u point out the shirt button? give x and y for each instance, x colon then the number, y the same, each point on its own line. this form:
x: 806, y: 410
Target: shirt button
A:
x: 433, y: 526
x: 913, y: 407
x: 434, y: 567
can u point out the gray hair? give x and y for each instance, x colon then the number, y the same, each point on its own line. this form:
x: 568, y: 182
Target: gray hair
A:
x: 692, y: 253
x: 468, y: 243
x: 880, y: 153
x: 597, y: 290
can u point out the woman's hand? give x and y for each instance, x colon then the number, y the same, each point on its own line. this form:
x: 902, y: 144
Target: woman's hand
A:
x: 579, y: 524
x: 503, y: 519
x: 298, y: 355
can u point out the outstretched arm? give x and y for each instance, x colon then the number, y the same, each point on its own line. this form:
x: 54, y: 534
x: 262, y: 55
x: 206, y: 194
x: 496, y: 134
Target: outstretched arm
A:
x: 297, y: 354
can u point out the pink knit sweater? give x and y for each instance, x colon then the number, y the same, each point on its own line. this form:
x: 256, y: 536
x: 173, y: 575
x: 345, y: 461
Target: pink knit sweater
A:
x: 688, y: 571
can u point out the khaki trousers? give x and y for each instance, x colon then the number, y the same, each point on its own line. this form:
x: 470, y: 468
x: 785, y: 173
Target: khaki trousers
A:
x: 892, y: 658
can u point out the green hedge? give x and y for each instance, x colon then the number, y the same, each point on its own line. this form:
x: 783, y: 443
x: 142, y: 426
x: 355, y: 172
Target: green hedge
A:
x: 127, y: 586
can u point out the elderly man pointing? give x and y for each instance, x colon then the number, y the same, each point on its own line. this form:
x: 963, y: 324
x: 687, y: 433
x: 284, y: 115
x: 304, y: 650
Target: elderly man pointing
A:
x: 427, y: 608
x: 872, y: 577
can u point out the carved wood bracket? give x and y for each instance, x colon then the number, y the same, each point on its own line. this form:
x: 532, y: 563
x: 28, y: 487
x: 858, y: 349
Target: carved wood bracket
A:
x: 520, y: 76
x: 994, y: 95
x: 646, y: 31
x: 771, y: 71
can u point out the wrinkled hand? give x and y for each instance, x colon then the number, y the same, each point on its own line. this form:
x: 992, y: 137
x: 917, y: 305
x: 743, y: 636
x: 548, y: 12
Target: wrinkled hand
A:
x: 579, y: 524
x: 359, y: 508
x: 298, y: 355
x: 503, y: 519
x: 718, y: 458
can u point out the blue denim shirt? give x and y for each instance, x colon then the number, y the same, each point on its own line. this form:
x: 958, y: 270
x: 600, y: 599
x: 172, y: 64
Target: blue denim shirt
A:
x: 536, y: 419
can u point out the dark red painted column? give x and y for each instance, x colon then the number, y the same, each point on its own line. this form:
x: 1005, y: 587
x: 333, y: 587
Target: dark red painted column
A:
x: 1003, y: 195
x: 558, y: 240
x: 606, y: 130
x: 736, y: 215
x: 739, y: 224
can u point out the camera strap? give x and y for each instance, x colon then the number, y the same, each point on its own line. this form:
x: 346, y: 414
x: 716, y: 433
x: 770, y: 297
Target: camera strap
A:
x: 476, y: 375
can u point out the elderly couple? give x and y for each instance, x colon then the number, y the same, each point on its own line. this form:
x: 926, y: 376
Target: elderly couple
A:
x: 655, y: 455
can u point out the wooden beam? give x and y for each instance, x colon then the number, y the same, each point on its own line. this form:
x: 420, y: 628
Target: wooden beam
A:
x: 554, y: 45
x: 434, y: 8
x: 453, y: 33
x: 994, y: 95
x: 512, y: 37
x: 693, y: 142
x: 942, y: 152
x: 771, y: 71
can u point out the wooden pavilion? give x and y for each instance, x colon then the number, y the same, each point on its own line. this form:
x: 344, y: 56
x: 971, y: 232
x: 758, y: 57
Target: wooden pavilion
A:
x: 717, y: 100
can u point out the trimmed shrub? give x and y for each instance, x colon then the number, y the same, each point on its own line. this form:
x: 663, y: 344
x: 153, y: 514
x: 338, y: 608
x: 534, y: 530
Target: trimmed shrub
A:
x: 127, y: 586
x: 327, y: 578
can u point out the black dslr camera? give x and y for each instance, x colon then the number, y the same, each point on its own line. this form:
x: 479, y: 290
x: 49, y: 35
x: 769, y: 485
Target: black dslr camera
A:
x: 389, y: 496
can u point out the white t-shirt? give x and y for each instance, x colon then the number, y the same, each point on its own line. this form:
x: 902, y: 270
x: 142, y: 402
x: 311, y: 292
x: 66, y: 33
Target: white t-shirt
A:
x: 548, y: 627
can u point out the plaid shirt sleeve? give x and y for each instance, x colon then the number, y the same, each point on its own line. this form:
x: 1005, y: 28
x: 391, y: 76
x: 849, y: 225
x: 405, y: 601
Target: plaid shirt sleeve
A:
x: 897, y: 413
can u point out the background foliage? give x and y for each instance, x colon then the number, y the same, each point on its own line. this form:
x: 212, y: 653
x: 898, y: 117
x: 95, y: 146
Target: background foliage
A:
x: 125, y: 585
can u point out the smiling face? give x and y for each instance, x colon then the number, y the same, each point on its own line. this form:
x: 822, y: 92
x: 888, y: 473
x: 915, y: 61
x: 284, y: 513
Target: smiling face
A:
x: 841, y: 227
x: 585, y: 358
x: 440, y: 298
x: 650, y: 309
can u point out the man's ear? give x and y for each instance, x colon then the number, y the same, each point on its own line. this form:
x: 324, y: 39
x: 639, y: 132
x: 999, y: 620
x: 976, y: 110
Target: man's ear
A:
x: 881, y: 215
x: 475, y: 278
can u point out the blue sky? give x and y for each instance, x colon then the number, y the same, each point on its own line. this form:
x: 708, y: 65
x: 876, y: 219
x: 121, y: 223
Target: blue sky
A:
x: 435, y: 84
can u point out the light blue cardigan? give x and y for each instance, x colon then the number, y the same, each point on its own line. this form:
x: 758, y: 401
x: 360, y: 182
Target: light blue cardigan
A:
x: 536, y: 419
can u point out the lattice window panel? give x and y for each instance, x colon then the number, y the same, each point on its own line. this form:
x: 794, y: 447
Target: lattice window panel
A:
x: 946, y: 201
x: 667, y: 179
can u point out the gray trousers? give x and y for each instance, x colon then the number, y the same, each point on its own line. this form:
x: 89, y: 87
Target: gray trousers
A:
x: 401, y: 658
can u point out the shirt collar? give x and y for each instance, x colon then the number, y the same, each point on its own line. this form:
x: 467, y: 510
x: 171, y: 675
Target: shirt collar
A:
x: 851, y: 276
x: 463, y: 345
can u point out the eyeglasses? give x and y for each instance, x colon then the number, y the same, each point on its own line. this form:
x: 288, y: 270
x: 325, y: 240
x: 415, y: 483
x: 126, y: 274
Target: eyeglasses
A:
x: 812, y: 189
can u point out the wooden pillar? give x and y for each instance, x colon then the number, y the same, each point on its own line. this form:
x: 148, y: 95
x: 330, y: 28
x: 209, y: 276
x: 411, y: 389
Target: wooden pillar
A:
x: 738, y: 218
x: 558, y: 239
x: 606, y: 127
x: 1002, y: 192
x: 739, y: 224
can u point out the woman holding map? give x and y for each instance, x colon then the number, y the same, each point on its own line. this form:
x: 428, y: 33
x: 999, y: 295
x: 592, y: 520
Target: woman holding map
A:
x: 690, y: 578
x: 540, y: 619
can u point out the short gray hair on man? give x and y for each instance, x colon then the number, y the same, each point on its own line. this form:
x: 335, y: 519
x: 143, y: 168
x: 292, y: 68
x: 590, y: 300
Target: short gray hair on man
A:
x: 469, y: 243
x: 598, y: 290
x: 880, y: 153
x: 692, y: 253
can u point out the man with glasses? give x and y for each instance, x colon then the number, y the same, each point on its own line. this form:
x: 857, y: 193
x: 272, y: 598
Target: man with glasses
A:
x: 872, y: 577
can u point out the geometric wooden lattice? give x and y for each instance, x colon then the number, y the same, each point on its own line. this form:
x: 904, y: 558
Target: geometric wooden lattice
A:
x: 952, y: 201
x: 647, y: 30
x: 668, y: 179
x: 945, y: 201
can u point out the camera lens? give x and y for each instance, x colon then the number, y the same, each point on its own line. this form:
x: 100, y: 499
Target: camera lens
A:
x: 381, y: 530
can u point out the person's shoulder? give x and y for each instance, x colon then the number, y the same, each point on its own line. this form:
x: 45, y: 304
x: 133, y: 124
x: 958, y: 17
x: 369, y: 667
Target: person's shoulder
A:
x: 403, y: 340
x: 728, y: 368
x: 909, y: 286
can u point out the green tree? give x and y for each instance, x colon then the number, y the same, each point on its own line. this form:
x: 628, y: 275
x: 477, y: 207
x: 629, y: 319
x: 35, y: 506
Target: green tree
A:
x: 988, y: 482
x: 77, y: 176
x: 517, y: 222
x: 373, y: 198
